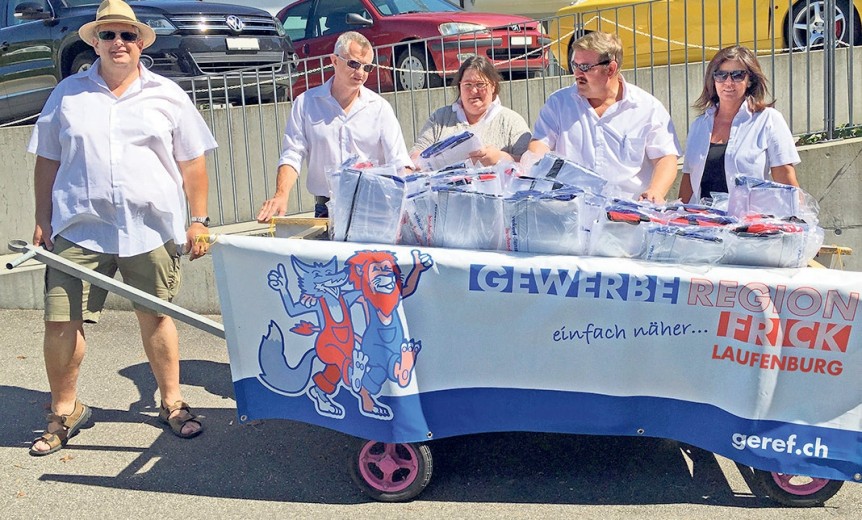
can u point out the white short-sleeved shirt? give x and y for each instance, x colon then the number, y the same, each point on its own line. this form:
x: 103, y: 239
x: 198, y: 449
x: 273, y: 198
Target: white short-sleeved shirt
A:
x: 119, y: 189
x: 620, y: 145
x: 758, y: 141
x: 319, y: 131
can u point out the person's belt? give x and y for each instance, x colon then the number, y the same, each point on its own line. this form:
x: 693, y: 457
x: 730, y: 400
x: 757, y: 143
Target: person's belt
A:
x: 320, y: 200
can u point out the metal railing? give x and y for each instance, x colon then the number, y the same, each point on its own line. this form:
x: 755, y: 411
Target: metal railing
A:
x: 811, y: 71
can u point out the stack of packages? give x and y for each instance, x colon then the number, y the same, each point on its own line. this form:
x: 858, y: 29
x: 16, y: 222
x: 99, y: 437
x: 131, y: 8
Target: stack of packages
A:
x: 765, y: 224
x: 558, y: 207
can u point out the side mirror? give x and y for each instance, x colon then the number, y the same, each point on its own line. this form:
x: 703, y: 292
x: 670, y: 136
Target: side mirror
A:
x: 357, y: 19
x: 33, y: 11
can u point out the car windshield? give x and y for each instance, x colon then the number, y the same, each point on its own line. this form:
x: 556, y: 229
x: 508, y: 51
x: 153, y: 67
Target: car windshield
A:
x: 390, y: 7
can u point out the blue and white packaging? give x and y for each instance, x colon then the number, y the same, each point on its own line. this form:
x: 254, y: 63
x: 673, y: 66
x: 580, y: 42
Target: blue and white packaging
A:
x: 451, y: 150
x: 544, y: 222
x: 684, y: 244
x: 366, y: 204
x: 562, y: 170
x: 468, y: 220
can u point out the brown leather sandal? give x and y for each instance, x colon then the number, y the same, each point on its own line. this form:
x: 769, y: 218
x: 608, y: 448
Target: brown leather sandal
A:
x: 70, y: 423
x: 177, y: 423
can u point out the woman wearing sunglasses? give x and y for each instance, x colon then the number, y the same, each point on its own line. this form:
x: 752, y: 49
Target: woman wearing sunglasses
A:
x: 738, y: 132
x: 504, y: 133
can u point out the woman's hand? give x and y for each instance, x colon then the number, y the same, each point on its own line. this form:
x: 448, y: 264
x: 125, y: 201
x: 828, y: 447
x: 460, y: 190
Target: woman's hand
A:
x: 488, y: 156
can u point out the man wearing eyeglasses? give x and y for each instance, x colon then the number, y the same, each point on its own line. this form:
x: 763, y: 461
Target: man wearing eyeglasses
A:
x: 331, y: 123
x: 119, y: 150
x: 603, y: 123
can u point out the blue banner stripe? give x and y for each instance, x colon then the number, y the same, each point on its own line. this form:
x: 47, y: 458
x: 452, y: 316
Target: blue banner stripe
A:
x: 768, y: 445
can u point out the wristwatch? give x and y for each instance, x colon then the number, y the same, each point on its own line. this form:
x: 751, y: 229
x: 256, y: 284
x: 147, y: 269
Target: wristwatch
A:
x: 201, y: 220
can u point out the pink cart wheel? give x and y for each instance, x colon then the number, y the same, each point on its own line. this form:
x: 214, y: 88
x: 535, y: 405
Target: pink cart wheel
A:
x: 391, y: 472
x: 797, y: 490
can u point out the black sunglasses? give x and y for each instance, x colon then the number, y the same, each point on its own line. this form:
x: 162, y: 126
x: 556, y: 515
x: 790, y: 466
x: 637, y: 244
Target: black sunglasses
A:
x: 126, y: 36
x: 736, y: 75
x: 585, y: 67
x: 355, y: 65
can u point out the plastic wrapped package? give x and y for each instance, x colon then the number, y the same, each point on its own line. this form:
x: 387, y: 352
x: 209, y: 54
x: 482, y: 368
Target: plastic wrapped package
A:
x: 684, y: 244
x: 418, y: 219
x: 453, y: 149
x: 693, y: 215
x: 526, y: 183
x: 592, y: 206
x: 480, y: 180
x: 416, y: 184
x: 468, y: 220
x: 554, y: 167
x: 366, y: 205
x: 619, y: 231
x: 772, y: 243
x: 544, y: 222
x: 752, y: 196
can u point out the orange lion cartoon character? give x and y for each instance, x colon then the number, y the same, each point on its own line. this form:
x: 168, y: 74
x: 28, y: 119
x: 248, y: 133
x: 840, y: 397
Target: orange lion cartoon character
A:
x: 385, y: 352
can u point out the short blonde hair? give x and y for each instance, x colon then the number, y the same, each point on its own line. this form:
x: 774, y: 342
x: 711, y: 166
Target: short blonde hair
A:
x: 607, y: 45
x: 342, y: 45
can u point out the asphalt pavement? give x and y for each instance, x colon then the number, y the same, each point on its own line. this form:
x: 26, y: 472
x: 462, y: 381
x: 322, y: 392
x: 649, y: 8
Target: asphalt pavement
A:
x: 126, y: 465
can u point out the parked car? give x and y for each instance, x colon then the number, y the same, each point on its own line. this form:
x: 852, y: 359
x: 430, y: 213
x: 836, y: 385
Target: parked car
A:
x: 200, y: 45
x: 657, y: 32
x: 419, y: 43
x: 534, y: 9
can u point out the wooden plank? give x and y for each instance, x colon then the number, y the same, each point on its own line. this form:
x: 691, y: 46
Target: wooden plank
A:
x: 300, y: 227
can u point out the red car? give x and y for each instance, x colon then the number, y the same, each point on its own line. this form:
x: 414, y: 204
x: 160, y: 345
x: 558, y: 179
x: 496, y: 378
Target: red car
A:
x: 419, y: 43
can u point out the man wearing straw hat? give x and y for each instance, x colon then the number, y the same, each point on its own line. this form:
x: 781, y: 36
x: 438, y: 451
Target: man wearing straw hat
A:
x: 118, y: 151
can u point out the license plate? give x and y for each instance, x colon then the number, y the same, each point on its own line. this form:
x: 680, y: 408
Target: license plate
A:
x: 242, y: 44
x: 521, y: 40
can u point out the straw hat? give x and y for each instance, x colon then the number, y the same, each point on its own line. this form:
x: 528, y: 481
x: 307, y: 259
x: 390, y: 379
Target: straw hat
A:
x: 116, y: 11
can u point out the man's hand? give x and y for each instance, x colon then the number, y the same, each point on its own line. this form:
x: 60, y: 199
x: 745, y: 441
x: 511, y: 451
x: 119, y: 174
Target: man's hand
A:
x: 652, y: 196
x: 277, y: 205
x: 196, y: 248
x: 42, y: 236
x: 274, y: 207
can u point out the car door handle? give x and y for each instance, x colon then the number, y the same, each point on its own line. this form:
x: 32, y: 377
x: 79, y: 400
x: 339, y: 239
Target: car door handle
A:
x: 4, y: 46
x: 306, y: 49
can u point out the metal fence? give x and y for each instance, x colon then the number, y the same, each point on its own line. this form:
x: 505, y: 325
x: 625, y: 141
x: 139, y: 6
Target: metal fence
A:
x: 667, y: 43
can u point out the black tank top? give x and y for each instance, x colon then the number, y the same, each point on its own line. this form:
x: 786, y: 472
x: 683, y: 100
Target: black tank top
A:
x: 713, y: 179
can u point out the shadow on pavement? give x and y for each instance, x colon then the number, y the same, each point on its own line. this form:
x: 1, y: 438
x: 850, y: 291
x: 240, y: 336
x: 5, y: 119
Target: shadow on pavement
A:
x: 279, y: 460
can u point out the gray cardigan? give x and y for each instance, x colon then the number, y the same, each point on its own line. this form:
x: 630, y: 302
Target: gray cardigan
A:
x: 507, y: 131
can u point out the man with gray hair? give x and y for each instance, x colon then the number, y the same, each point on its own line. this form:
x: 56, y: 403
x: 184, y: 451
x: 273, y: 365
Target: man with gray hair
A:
x: 330, y: 123
x: 603, y: 123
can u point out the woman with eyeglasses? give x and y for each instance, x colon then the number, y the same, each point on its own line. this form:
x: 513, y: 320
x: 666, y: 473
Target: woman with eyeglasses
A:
x: 504, y: 133
x: 738, y: 132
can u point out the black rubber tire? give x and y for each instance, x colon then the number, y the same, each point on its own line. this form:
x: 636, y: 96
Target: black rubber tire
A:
x: 770, y: 487
x: 83, y: 61
x: 418, y: 454
x: 416, y: 59
x: 849, y: 37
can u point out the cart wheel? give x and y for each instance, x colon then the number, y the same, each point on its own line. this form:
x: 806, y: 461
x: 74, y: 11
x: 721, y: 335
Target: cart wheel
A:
x: 391, y: 472
x: 796, y: 490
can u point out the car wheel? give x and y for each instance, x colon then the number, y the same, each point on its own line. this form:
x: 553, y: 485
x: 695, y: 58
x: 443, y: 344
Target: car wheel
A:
x: 806, y: 28
x: 83, y: 61
x: 412, y: 71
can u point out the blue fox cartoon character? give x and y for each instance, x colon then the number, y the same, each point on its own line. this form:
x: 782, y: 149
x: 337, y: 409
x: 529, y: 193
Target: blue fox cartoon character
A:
x: 323, y: 294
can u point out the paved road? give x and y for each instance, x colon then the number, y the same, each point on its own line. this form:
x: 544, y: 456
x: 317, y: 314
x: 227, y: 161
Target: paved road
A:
x: 127, y: 466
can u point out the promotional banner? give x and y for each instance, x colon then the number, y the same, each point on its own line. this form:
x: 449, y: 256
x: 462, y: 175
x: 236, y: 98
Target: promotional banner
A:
x: 399, y: 344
